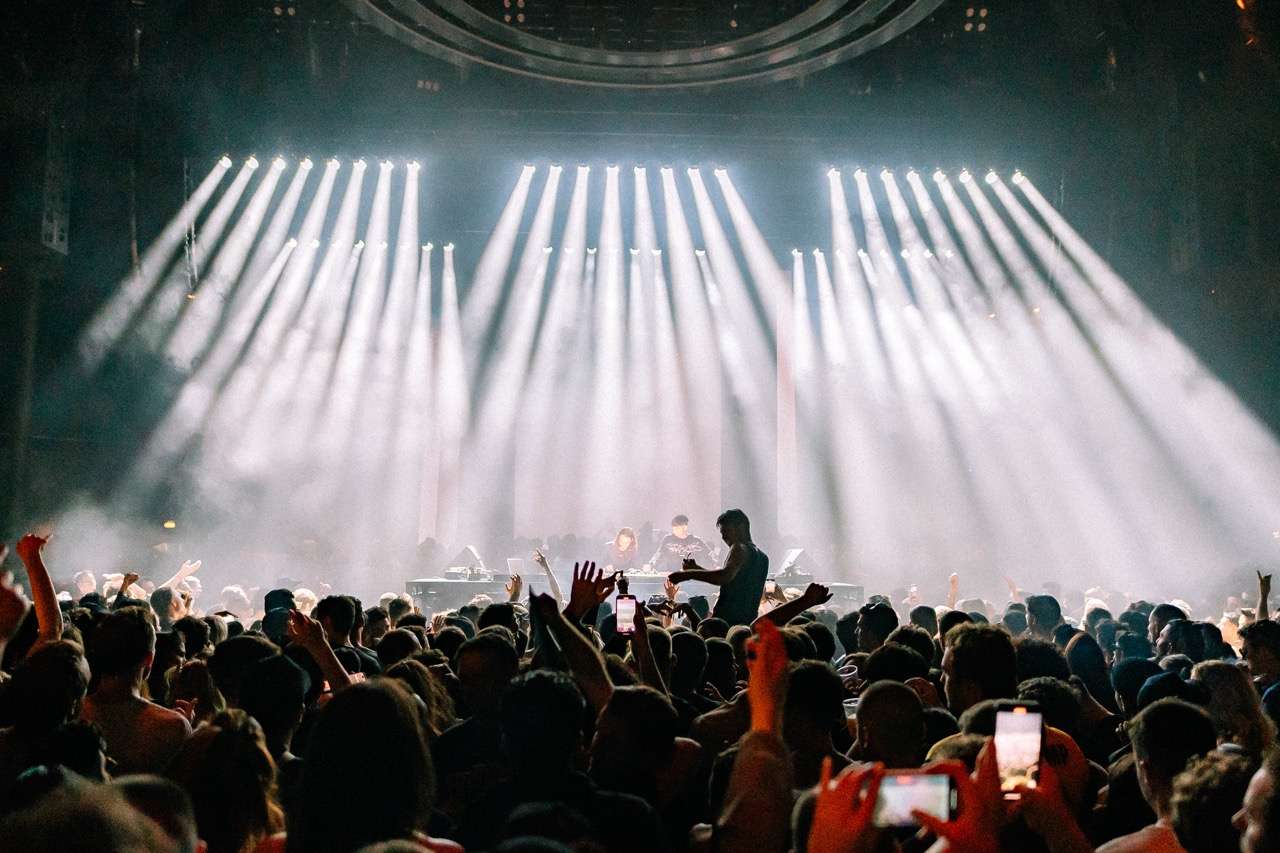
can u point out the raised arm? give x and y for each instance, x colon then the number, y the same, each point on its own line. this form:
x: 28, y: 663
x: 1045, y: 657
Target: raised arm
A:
x: 814, y: 595
x: 186, y: 570
x: 580, y: 653
x: 1264, y: 592
x: 43, y: 597
x: 643, y: 653
x: 309, y: 634
x: 554, y: 585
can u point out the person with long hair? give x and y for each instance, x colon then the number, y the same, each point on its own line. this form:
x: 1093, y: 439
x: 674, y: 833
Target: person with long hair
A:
x: 1236, y: 710
x: 622, y: 553
x: 227, y: 771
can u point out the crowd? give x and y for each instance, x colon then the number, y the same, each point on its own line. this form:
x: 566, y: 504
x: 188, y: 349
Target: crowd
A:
x: 133, y: 721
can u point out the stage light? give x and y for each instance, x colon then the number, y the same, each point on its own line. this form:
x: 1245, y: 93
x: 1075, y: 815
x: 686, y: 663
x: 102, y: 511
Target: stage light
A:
x: 992, y: 177
x: 359, y: 244
x: 583, y: 167
x: 884, y: 253
x: 692, y: 170
x: 833, y: 172
x: 720, y: 173
x: 591, y: 250
x: 315, y: 244
x: 965, y: 177
x: 225, y: 162
x: 657, y: 253
x: 639, y: 170
x: 428, y: 247
x: 305, y: 164
x: 546, y: 250
x: 906, y: 253
x: 949, y: 253
x: 701, y: 253
x: 939, y: 176
x: 333, y: 162
x: 912, y: 173
x: 278, y: 163
x: 382, y: 245
x: 886, y: 173
x: 666, y: 170
x: 360, y: 164
x: 556, y: 167
x: 387, y: 164
x: 252, y: 162
x: 635, y: 252
x: 613, y: 167
x: 859, y: 172
x: 448, y: 247
x: 414, y: 165
x: 1018, y: 177
x: 291, y: 242
x: 169, y: 524
x: 862, y: 253
x: 928, y: 254
x: 817, y: 253
x: 795, y: 253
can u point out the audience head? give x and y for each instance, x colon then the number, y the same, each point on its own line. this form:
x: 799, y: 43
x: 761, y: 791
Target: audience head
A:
x: 876, y: 622
x: 1127, y: 678
x: 690, y: 653
x: 46, y: 690
x: 814, y: 705
x: 337, y: 614
x: 1181, y: 637
x: 916, y: 638
x: 894, y: 662
x: 1206, y: 796
x: 76, y: 816
x: 924, y: 616
x: 1166, y: 735
x: 949, y: 620
x: 1015, y: 621
x: 123, y: 645
x: 1235, y: 707
x: 1040, y: 658
x: 164, y: 802
x: 1161, y: 615
x: 1261, y: 649
x: 891, y: 725
x: 273, y: 690
x: 396, y: 645
x: 1044, y: 615
x: 1258, y: 819
x: 979, y: 663
x: 485, y: 667
x: 232, y: 657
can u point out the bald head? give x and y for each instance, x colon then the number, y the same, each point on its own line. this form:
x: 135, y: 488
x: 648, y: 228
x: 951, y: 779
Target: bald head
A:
x: 891, y: 724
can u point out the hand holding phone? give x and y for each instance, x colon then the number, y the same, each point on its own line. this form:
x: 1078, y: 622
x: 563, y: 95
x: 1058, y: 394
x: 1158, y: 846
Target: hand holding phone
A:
x: 904, y: 792
x: 625, y: 610
x: 1019, y: 734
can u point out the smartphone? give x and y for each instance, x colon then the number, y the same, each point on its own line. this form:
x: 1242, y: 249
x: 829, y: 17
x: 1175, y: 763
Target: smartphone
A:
x: 904, y: 791
x: 1019, y: 732
x: 625, y: 609
x: 656, y: 600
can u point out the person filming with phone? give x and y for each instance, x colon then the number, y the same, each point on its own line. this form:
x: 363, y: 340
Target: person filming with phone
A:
x: 741, y: 579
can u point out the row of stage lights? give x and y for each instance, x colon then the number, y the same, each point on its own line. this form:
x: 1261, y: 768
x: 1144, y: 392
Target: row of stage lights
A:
x: 306, y: 163
x: 884, y: 253
x: 939, y: 176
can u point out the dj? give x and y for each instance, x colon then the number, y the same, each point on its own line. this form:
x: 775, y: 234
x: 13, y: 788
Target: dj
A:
x: 622, y: 552
x: 742, y: 578
x: 679, y: 546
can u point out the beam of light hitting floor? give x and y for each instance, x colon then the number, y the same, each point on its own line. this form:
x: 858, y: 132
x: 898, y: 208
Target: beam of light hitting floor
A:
x: 487, y: 283
x: 452, y: 396
x: 190, y: 344
x: 1120, y: 465
x: 202, y: 397
x: 110, y: 321
x: 645, y: 450
x: 221, y: 277
x: 699, y: 495
x: 1224, y: 451
x: 544, y: 465
x: 489, y: 452
x: 418, y: 438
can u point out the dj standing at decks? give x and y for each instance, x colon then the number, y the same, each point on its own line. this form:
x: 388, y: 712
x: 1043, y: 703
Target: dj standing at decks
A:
x: 678, y: 546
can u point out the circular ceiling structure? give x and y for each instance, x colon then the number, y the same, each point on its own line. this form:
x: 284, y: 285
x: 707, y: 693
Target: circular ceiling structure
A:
x: 779, y: 42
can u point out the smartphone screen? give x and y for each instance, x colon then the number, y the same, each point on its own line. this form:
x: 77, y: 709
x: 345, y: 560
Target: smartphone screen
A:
x: 902, y: 793
x: 625, y: 608
x: 1018, y: 734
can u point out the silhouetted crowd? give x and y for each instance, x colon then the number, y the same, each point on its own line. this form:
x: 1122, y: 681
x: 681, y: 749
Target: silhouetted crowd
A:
x: 133, y: 720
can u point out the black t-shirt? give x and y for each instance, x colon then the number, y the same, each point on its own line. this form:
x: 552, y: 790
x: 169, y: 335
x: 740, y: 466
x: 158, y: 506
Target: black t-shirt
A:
x: 673, y: 551
x: 739, y: 599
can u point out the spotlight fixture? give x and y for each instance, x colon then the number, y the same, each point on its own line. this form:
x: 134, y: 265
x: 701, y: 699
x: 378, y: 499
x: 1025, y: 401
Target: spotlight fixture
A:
x: 939, y: 176
x: 657, y: 253
x: 315, y: 244
x: 1018, y: 177
x: 833, y: 172
x: 965, y: 177
x: 906, y: 253
x: 928, y: 254
x: 859, y: 173
x: 639, y: 170
x: 886, y: 173
x: 583, y: 167
x: 612, y: 168
x: 556, y: 167
x: 252, y: 162
x: 666, y: 170
x: 702, y: 253
x: 720, y: 173
x: 333, y: 162
x: 795, y: 253
x: 862, y: 253
x: 884, y: 253
x: 693, y: 170
x: 992, y: 177
x: 817, y: 253
x: 591, y: 250
x: 529, y: 167
x: 306, y: 164
x: 912, y: 174
x: 949, y: 253
x: 429, y: 247
x: 634, y: 252
x: 382, y: 245
x: 387, y: 164
x: 291, y: 242
x: 414, y: 165
x: 169, y: 524
x: 546, y: 250
x: 448, y: 247
x: 360, y: 164
x: 359, y: 244
x: 225, y: 162
x: 278, y: 163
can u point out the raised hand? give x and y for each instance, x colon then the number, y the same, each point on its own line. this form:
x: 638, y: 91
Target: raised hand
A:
x: 187, y: 708
x: 670, y: 589
x: 590, y: 588
x: 305, y: 631
x: 843, y: 814
x: 129, y: 579
x: 541, y: 559
x: 30, y: 546
x: 976, y: 828
x: 437, y: 622
x: 513, y: 588
x: 190, y: 567
x: 12, y: 607
x: 816, y: 593
x: 766, y: 667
